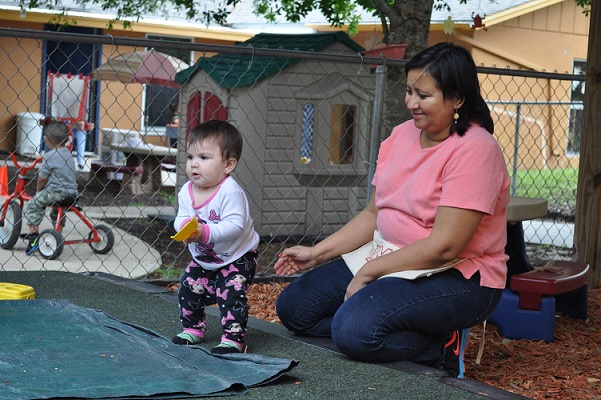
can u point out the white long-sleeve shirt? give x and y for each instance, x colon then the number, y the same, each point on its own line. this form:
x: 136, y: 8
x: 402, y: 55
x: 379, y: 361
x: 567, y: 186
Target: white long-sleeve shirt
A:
x: 228, y: 227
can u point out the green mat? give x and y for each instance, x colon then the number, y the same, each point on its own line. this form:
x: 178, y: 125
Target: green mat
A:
x: 52, y: 348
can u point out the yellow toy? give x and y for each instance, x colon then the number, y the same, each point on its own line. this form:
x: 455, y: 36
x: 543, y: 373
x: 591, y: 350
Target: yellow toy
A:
x: 15, y: 291
x: 186, y: 231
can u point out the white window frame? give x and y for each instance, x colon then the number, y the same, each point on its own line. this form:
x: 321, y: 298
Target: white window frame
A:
x: 576, y: 108
x: 324, y: 98
x: 160, y: 130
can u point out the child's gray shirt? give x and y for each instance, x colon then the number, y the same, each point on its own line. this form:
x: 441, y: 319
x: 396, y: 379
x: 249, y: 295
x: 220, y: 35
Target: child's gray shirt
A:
x: 58, y: 167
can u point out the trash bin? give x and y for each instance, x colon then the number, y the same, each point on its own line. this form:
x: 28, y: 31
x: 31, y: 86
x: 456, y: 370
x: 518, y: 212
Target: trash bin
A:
x: 29, y: 133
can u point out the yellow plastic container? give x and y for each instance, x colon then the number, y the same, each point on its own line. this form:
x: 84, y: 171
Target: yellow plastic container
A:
x: 15, y: 291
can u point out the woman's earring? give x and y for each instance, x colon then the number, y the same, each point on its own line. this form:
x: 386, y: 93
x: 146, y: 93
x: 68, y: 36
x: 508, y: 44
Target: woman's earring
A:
x: 456, y: 116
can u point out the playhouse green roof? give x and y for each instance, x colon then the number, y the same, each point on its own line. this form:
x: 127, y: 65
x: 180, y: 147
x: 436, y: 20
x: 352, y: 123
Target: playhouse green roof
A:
x: 235, y: 70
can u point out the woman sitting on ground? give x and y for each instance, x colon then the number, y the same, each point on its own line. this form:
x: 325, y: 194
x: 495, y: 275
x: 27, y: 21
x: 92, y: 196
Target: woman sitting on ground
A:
x: 441, y: 189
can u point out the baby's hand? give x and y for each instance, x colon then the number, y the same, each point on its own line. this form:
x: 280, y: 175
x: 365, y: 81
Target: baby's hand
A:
x: 187, y: 231
x: 196, y: 236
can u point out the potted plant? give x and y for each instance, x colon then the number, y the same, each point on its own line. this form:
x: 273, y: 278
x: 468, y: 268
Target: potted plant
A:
x: 394, y: 51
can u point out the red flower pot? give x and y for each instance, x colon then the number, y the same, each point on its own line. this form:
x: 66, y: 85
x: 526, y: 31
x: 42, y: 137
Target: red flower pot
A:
x: 393, y: 51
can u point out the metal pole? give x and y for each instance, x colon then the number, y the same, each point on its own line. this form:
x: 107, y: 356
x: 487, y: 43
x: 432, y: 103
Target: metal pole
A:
x: 516, y: 144
x: 376, y: 127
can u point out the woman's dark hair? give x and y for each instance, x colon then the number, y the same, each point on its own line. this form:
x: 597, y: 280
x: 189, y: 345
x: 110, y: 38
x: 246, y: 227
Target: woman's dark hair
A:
x: 229, y: 138
x: 454, y: 71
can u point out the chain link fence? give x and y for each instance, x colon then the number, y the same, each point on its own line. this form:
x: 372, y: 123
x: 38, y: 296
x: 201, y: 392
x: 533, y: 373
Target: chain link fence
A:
x: 311, y: 123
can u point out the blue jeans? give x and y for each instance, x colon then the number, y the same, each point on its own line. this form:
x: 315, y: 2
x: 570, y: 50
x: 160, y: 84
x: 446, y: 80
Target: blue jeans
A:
x: 390, y: 319
x: 80, y: 138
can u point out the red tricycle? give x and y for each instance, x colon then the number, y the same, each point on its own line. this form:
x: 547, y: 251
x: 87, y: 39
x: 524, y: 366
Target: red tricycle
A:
x: 51, y: 241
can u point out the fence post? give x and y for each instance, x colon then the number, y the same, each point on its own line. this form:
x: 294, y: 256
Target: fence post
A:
x: 376, y: 124
x: 516, y: 144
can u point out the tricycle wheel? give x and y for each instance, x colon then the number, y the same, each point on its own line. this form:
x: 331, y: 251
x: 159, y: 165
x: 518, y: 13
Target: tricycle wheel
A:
x: 11, y: 227
x: 107, y: 240
x: 51, y: 244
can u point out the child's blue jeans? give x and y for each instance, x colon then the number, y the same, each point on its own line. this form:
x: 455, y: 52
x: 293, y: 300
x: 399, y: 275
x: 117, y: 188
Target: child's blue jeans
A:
x: 390, y: 319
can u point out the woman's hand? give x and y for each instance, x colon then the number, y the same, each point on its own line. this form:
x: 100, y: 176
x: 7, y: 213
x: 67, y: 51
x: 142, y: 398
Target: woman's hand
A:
x: 295, y: 259
x: 358, y: 283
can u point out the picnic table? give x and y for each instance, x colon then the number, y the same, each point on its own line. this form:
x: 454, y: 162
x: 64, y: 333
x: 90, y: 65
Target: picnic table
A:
x: 520, y: 209
x: 149, y: 156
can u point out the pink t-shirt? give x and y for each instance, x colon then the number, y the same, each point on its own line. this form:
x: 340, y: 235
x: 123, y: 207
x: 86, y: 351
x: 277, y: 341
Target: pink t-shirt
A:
x: 466, y: 172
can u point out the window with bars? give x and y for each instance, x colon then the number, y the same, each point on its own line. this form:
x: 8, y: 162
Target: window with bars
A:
x: 576, y: 110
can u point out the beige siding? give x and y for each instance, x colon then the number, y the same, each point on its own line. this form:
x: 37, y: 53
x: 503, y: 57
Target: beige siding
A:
x: 246, y: 109
x: 565, y: 17
x: 302, y: 210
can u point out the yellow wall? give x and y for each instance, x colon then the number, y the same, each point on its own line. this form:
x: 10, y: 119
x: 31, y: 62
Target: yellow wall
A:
x: 549, y: 40
x: 20, y: 78
x: 22, y: 58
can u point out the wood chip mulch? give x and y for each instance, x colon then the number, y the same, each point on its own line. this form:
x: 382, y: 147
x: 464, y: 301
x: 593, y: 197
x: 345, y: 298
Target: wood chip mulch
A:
x: 567, y: 368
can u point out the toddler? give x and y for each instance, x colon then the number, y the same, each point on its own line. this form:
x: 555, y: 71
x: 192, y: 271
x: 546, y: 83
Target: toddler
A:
x: 223, y: 248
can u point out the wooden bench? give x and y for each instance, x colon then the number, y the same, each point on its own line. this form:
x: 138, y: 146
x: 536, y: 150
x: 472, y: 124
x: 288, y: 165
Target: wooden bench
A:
x: 130, y: 182
x: 168, y: 167
x: 527, y: 308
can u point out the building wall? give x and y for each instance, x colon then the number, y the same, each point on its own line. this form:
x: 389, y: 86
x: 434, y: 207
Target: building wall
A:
x: 21, y: 69
x: 21, y: 79
x: 550, y: 40
x: 247, y: 107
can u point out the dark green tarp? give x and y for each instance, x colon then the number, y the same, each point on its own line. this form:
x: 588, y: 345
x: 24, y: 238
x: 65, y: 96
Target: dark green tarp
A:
x: 52, y: 348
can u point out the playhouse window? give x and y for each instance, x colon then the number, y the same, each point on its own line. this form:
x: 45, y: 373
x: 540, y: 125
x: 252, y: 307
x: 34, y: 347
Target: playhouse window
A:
x: 307, y: 133
x: 331, y: 130
x: 342, y: 132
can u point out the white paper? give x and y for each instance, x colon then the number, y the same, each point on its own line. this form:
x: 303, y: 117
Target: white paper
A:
x: 356, y: 259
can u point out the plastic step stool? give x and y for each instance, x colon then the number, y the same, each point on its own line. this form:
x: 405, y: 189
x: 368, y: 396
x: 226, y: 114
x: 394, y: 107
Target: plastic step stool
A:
x: 16, y: 291
x: 556, y: 277
x: 527, y: 310
x: 516, y: 323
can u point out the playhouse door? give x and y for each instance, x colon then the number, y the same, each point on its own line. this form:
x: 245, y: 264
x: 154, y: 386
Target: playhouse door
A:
x: 209, y: 107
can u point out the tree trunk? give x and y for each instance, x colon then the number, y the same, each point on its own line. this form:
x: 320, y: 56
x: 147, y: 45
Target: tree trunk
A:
x: 587, y: 235
x: 409, y: 24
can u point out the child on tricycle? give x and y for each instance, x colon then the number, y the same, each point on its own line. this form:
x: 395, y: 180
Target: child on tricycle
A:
x: 57, y: 180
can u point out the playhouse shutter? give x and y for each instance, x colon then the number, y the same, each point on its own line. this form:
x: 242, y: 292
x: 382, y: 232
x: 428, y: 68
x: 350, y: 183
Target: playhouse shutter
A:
x: 214, y: 109
x: 193, y: 112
